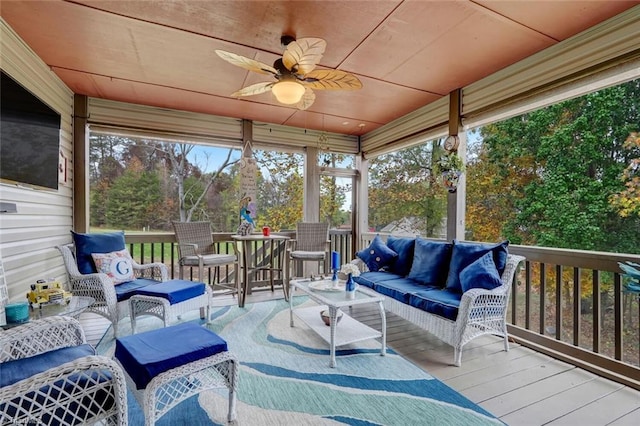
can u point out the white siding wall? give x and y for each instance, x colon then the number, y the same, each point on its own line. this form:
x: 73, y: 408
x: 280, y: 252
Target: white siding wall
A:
x: 44, y: 218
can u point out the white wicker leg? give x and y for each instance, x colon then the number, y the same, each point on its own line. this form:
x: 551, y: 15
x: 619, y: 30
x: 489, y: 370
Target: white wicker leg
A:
x: 506, y: 339
x: 457, y: 356
x: 231, y: 416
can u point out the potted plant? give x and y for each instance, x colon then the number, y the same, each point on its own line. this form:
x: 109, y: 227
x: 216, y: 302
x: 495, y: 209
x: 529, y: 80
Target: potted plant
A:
x: 450, y: 167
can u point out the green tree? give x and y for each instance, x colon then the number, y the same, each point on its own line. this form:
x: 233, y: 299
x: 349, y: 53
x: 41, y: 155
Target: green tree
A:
x: 280, y: 194
x: 402, y: 185
x: 627, y: 201
x: 560, y: 166
x: 134, y: 199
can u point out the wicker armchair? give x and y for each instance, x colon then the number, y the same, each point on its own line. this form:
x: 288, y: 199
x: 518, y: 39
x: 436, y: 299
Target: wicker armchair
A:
x: 101, y: 287
x: 197, y: 249
x: 311, y: 244
x: 50, y: 375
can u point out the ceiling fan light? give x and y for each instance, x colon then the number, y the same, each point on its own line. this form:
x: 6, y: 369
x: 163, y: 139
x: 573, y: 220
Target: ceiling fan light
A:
x: 288, y: 92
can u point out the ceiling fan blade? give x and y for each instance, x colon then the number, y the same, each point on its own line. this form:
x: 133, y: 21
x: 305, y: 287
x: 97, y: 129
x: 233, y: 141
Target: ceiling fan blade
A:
x: 254, y: 89
x: 302, y: 56
x: 331, y: 80
x: 246, y: 63
x: 307, y: 99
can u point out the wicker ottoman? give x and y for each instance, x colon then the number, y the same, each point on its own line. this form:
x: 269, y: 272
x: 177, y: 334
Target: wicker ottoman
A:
x: 164, y: 367
x: 170, y: 299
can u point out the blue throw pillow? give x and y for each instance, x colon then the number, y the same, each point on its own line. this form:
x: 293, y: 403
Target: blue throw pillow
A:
x: 95, y: 243
x: 480, y: 274
x: 377, y: 255
x: 430, y: 262
x: 404, y: 247
x: 464, y: 254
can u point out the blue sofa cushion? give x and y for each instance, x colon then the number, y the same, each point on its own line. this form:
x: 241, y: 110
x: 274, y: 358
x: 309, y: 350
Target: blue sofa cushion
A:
x: 404, y: 247
x: 400, y: 289
x: 377, y: 255
x: 464, y: 254
x: 13, y: 371
x: 85, y: 244
x: 444, y: 303
x: 148, y: 354
x: 175, y: 291
x: 369, y: 279
x: 480, y: 274
x: 125, y: 290
x: 430, y: 262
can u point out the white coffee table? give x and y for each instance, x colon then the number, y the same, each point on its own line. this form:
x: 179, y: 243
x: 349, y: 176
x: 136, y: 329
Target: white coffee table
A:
x: 348, y: 330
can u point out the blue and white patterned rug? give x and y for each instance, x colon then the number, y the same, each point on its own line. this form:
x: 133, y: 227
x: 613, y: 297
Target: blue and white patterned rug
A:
x: 285, y: 379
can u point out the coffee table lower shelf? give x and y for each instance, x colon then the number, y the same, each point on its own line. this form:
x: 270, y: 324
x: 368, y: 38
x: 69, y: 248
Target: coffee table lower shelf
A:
x: 348, y: 330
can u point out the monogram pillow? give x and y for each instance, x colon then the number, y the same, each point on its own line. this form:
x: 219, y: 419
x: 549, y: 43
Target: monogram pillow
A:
x: 117, y: 265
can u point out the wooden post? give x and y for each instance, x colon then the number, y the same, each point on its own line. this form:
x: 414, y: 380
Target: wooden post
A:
x: 248, y: 203
x: 456, y: 202
x: 80, y: 180
x: 360, y: 210
x: 311, y: 197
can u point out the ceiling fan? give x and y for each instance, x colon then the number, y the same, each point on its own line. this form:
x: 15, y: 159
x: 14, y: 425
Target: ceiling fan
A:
x: 295, y: 73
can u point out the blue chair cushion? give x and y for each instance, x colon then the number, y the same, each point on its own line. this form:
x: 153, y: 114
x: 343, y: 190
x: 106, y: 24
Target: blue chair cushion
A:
x: 175, y: 291
x: 430, y: 262
x: 125, y: 290
x: 464, y: 254
x: 369, y: 279
x: 480, y: 274
x: 444, y: 303
x: 404, y: 247
x: 85, y: 244
x: 13, y: 371
x: 400, y: 289
x: 148, y: 354
x: 95, y: 402
x: 377, y: 255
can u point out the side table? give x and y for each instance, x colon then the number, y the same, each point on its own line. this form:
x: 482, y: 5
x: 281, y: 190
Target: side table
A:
x: 76, y: 306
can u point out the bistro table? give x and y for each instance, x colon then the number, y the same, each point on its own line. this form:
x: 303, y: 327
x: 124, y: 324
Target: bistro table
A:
x: 273, y: 247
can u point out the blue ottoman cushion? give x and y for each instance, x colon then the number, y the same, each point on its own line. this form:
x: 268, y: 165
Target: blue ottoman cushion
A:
x: 175, y: 291
x: 146, y: 355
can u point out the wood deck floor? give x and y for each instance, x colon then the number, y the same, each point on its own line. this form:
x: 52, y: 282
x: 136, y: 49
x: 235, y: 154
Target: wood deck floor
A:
x: 521, y: 387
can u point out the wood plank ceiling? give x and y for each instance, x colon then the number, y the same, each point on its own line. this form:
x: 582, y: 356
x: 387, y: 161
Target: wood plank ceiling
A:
x: 406, y: 53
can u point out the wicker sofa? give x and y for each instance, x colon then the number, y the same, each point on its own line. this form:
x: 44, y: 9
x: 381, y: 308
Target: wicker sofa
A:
x: 455, y: 290
x: 50, y: 375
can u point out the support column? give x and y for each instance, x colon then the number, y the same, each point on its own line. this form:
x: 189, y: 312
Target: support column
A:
x: 248, y: 171
x: 80, y: 180
x: 311, y: 198
x: 360, y: 209
x: 311, y: 193
x: 456, y: 202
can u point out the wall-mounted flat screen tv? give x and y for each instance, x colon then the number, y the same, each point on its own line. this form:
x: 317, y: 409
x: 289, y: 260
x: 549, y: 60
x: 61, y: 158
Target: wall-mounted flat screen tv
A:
x: 29, y: 137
